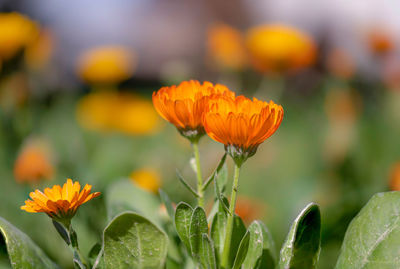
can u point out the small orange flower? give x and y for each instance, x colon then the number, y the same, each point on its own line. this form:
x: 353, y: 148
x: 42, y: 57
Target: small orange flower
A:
x: 33, y: 164
x: 241, y: 124
x: 59, y: 203
x: 249, y: 209
x: 279, y: 48
x: 184, y: 105
x: 394, y: 177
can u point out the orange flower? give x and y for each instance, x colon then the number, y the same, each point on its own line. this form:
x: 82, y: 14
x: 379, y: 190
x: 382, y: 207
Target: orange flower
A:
x: 184, y: 105
x: 394, y: 177
x: 340, y: 63
x: 279, y: 48
x: 59, y: 203
x: 226, y: 46
x: 33, y: 164
x: 241, y: 124
x: 249, y: 209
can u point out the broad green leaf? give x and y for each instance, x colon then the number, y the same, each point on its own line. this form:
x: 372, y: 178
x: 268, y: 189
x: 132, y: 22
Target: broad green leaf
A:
x: 207, y: 253
x: 372, y: 238
x: 255, y: 249
x: 242, y: 251
x: 238, y: 232
x: 132, y: 241
x: 302, y: 246
x: 218, y: 228
x: 198, y: 227
x: 168, y: 204
x: 22, y: 251
x: 183, y: 215
x: 269, y: 256
x: 124, y: 196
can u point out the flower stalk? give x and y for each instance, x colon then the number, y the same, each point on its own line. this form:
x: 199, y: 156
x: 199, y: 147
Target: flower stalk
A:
x: 200, y: 199
x: 229, y: 225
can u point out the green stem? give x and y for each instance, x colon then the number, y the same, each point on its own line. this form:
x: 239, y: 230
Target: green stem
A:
x: 229, y: 225
x: 75, y: 248
x: 200, y: 199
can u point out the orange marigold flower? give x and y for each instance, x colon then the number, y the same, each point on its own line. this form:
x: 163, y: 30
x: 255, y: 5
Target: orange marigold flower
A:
x: 184, y: 105
x: 241, y: 124
x: 278, y: 48
x: 59, y: 203
x: 394, y: 177
x: 33, y: 164
x: 380, y: 41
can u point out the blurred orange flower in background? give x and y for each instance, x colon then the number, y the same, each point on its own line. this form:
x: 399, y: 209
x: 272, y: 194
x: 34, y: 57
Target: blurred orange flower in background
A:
x: 184, y: 105
x: 242, y: 124
x: 39, y: 52
x: 147, y: 179
x: 380, y: 41
x: 249, y: 209
x: 33, y: 163
x: 60, y: 203
x: 340, y: 63
x: 16, y: 33
x: 113, y: 111
x: 394, y: 177
x: 226, y: 46
x: 106, y: 65
x: 277, y: 48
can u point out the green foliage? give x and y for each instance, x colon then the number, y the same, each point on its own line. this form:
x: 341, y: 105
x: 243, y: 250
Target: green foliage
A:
x: 198, y: 227
x: 183, y: 216
x: 123, y: 196
x: 132, y: 241
x: 372, y: 239
x: 22, y: 251
x: 218, y: 228
x: 302, y: 246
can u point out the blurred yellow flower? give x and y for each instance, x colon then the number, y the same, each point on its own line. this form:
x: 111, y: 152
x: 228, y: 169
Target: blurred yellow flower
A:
x: 394, y: 177
x: 113, y: 111
x: 16, y: 32
x: 106, y: 65
x: 226, y: 46
x: 38, y: 53
x: 278, y: 48
x: 33, y: 163
x: 147, y: 179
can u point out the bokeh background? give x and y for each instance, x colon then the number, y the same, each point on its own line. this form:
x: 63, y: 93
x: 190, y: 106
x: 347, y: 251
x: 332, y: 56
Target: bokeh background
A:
x: 75, y: 101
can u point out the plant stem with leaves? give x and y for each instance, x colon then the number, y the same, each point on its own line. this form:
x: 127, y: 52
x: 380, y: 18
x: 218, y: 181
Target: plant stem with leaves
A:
x: 200, y: 192
x: 229, y: 225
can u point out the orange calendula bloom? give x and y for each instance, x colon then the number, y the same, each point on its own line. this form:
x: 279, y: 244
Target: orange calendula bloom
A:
x: 184, y: 105
x: 59, y: 203
x: 279, y: 48
x: 241, y: 124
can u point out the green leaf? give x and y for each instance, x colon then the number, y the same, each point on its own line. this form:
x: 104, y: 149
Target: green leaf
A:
x: 269, y: 256
x: 207, y: 253
x: 222, y: 178
x: 94, y: 254
x: 132, y: 241
x: 238, y: 232
x: 22, y: 251
x: 124, y: 196
x: 218, y: 227
x: 302, y: 246
x: 183, y: 181
x: 372, y: 238
x: 255, y: 249
x: 198, y: 227
x: 168, y: 204
x: 242, y: 251
x: 183, y: 215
